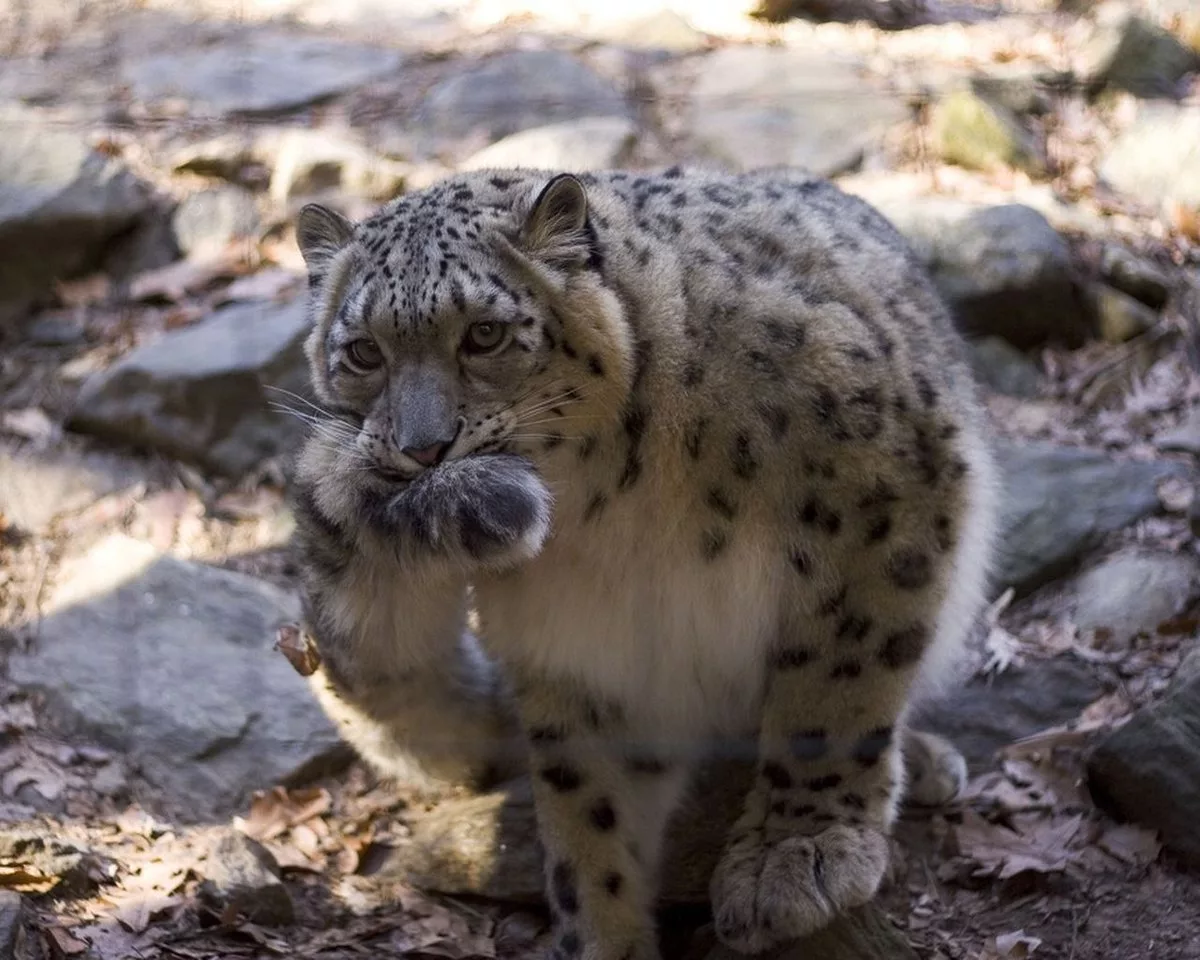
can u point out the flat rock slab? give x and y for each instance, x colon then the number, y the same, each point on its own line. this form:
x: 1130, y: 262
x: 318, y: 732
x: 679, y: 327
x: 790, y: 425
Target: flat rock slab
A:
x: 1134, y: 591
x: 38, y: 485
x: 258, y: 72
x: 172, y: 663
x: 761, y: 107
x: 1148, y: 771
x: 1059, y: 502
x: 204, y: 393
x: 981, y: 716
x: 593, y: 143
x: 61, y: 202
x: 1004, y: 270
x: 515, y: 91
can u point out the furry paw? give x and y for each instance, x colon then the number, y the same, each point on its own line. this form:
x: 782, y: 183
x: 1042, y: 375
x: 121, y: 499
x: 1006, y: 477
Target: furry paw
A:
x: 767, y: 894
x: 490, y: 509
x: 936, y: 771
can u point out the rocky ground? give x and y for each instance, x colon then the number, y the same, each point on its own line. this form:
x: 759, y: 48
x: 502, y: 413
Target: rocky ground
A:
x: 167, y: 786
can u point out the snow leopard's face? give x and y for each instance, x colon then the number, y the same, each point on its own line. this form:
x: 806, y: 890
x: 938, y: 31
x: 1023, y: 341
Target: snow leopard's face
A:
x: 447, y: 324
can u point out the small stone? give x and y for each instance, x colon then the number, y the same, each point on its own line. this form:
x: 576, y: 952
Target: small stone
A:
x: 257, y: 71
x: 1184, y: 438
x: 515, y: 91
x: 1137, y: 277
x: 1060, y: 502
x: 1157, y: 159
x: 1129, y: 53
x: 973, y: 131
x: 204, y: 393
x: 1119, y: 317
x: 1134, y: 591
x: 241, y: 876
x: 308, y: 163
x: 207, y: 222
x: 1148, y: 770
x: 593, y: 143
x: 1017, y: 89
x: 1004, y: 368
x: 763, y: 107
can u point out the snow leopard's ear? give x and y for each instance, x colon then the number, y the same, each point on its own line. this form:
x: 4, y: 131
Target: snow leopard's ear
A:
x: 320, y: 234
x: 556, y: 228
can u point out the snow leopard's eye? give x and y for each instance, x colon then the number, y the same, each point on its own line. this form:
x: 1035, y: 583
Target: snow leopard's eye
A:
x: 484, y: 337
x: 363, y: 356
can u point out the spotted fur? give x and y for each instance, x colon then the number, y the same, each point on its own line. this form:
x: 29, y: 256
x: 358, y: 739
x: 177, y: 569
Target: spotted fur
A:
x: 728, y: 464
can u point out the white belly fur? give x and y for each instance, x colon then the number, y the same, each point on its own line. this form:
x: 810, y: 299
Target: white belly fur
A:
x: 679, y: 641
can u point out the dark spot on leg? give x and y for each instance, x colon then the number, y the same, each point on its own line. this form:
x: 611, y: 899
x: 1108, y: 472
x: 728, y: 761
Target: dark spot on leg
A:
x: 854, y: 628
x: 569, y: 944
x: 776, y: 775
x: 595, y: 506
x: 595, y: 366
x: 870, y: 748
x: 827, y: 782
x: 613, y: 883
x: 719, y: 503
x: 879, y: 529
x: 803, y: 810
x: 793, y: 659
x: 802, y: 563
x: 910, y: 569
x: 745, y: 464
x: 846, y: 670
x: 713, y: 543
x: 603, y: 816
x: 809, y: 745
x: 854, y: 801
x: 562, y: 777
x: 546, y: 734
x: 562, y: 883
x: 904, y: 647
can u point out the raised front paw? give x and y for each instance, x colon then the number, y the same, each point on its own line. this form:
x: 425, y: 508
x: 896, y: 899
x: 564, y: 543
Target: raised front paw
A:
x: 491, y: 509
x: 767, y: 894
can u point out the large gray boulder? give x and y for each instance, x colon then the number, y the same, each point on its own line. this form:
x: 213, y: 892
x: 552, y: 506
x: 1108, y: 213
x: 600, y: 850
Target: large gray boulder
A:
x: 171, y: 662
x: 1060, y: 502
x: 258, y: 71
x: 762, y: 107
x: 515, y: 91
x: 61, y: 203
x: 1133, y: 591
x: 204, y: 393
x: 1004, y: 270
x: 1130, y: 53
x: 590, y: 143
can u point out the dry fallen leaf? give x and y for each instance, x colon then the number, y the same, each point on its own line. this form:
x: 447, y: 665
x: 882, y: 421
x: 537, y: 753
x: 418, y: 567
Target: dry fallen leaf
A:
x: 83, y: 292
x: 275, y: 811
x: 25, y: 878
x: 267, y: 284
x: 299, y: 648
x: 176, y: 280
x: 1130, y: 843
x: 1035, y: 843
x: 66, y: 943
x: 1011, y: 946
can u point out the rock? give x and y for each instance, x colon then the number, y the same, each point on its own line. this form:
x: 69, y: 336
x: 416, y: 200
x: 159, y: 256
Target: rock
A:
x: 973, y: 131
x: 38, y: 485
x: 1148, y: 770
x: 1003, y: 270
x: 981, y: 716
x: 762, y: 107
x: 1157, y: 159
x: 242, y: 877
x: 61, y: 203
x: 593, y: 143
x: 207, y: 222
x: 11, y: 908
x: 1137, y: 277
x: 1184, y: 438
x: 1120, y: 317
x: 1016, y: 88
x: 306, y: 163
x: 257, y: 71
x: 515, y: 91
x: 1134, y: 591
x: 1060, y: 502
x: 1130, y: 53
x: 202, y: 393
x: 1004, y: 368
x: 171, y: 663
x: 664, y: 29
